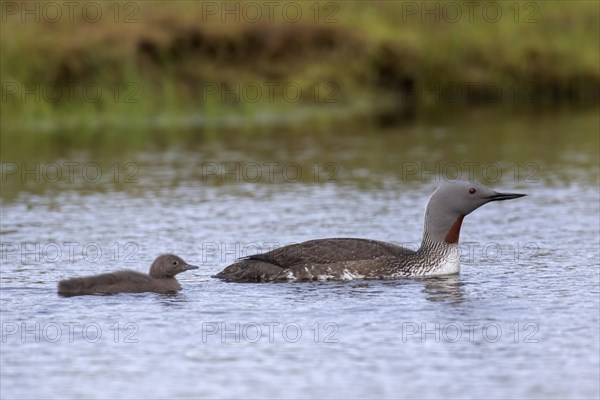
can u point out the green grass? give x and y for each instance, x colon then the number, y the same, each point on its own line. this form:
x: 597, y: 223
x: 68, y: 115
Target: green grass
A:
x: 162, y: 67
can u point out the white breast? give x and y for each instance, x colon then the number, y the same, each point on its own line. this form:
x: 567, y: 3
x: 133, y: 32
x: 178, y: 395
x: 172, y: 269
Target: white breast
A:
x: 449, y: 264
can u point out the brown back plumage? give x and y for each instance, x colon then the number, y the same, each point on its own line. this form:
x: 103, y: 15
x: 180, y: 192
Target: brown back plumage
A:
x: 318, y: 255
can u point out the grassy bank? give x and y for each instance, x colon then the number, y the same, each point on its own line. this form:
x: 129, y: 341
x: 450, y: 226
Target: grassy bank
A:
x: 247, y: 63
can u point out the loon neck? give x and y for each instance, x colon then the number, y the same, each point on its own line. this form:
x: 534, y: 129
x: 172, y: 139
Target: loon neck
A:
x: 429, y: 243
x: 442, y: 225
x: 454, y: 232
x: 441, y: 237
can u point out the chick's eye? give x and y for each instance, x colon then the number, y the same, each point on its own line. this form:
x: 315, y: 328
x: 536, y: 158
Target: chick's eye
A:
x: 472, y: 191
x: 174, y: 262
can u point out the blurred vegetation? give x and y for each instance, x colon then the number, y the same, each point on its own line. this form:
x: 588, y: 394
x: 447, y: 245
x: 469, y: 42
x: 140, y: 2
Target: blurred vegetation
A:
x: 215, y: 64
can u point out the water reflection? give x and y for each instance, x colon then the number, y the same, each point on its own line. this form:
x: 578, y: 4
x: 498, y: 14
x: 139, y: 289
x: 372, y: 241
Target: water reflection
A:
x: 173, y: 300
x: 345, y: 289
x: 527, y: 149
x: 449, y: 289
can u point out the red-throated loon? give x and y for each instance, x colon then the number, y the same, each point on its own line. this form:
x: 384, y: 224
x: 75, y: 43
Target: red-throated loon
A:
x: 346, y: 258
x: 161, y: 279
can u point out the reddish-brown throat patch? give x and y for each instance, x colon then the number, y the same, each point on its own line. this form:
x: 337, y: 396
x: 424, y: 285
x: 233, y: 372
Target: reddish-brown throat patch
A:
x: 454, y: 232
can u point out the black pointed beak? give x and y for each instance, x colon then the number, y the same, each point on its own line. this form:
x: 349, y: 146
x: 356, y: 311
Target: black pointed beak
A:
x: 505, y: 196
x: 188, y: 267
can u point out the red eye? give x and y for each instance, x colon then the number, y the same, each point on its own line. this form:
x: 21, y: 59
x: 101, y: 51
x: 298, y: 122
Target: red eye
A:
x: 472, y: 191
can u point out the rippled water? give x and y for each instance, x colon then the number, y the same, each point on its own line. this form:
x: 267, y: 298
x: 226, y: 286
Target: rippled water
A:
x: 521, y: 320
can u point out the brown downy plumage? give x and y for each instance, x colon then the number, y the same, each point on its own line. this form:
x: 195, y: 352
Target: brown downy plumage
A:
x: 161, y: 279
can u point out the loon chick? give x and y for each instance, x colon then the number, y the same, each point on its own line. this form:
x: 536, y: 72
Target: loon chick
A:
x: 161, y: 279
x: 347, y: 258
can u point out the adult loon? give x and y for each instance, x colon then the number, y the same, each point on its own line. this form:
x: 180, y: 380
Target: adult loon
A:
x: 347, y: 258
